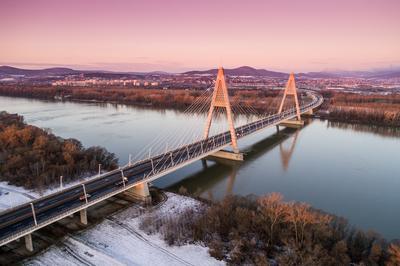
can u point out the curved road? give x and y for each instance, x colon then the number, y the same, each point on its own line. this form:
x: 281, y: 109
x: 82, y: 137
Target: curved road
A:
x: 19, y: 221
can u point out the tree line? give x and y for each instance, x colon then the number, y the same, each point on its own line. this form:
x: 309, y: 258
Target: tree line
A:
x: 269, y: 231
x: 35, y: 158
x: 373, y: 109
x: 376, y: 109
x: 260, y: 100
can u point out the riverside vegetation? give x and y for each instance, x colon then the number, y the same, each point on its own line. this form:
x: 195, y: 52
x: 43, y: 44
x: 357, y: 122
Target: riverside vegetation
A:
x: 372, y: 109
x: 269, y: 231
x: 35, y: 158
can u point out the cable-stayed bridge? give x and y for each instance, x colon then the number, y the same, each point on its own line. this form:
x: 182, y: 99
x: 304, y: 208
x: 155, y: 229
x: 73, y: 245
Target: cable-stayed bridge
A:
x: 134, y: 177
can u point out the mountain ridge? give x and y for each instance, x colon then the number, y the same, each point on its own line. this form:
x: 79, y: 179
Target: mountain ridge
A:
x: 238, y: 71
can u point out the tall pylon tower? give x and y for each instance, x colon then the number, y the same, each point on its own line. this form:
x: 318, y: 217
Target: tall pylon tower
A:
x: 291, y: 90
x: 220, y: 99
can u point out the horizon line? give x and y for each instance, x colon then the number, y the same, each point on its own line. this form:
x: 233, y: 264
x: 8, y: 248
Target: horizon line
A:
x: 90, y: 67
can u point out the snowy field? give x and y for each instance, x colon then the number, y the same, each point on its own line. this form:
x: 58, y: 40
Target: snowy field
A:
x: 11, y: 196
x: 119, y: 241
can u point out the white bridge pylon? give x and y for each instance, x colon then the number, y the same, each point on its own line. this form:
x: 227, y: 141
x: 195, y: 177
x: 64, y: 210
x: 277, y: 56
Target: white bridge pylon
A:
x: 220, y: 99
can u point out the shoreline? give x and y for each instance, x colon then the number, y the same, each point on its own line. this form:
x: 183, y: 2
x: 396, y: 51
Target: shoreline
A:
x: 318, y: 115
x: 107, y: 239
x: 113, y: 226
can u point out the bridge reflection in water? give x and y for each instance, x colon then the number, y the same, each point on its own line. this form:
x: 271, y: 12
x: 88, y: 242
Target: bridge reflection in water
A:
x: 216, y: 179
x: 133, y: 178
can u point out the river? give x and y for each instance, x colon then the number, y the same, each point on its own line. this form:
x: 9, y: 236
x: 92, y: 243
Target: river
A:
x: 348, y: 170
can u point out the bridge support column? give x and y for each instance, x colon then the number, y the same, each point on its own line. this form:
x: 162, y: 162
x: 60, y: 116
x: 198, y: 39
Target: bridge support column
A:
x: 292, y: 123
x: 29, y: 243
x: 140, y: 192
x: 309, y: 112
x: 228, y: 155
x: 83, y: 214
x: 204, y: 163
x: 220, y: 99
x: 291, y: 90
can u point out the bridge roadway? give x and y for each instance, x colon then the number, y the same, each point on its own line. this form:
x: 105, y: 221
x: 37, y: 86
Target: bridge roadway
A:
x: 19, y: 221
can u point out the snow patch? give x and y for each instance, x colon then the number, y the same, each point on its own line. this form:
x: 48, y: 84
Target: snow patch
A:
x: 118, y: 240
x: 12, y: 196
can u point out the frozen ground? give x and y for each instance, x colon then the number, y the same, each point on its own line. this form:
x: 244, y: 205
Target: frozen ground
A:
x: 119, y: 241
x: 11, y: 196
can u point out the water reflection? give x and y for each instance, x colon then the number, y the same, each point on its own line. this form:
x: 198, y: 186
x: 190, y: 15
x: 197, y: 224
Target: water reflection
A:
x: 348, y: 170
x: 286, y: 154
x: 393, y: 132
x: 217, y: 171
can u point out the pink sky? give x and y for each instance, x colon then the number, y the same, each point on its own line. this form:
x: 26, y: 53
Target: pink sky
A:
x: 177, y: 35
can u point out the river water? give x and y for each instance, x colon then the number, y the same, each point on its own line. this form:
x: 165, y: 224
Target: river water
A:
x: 348, y: 170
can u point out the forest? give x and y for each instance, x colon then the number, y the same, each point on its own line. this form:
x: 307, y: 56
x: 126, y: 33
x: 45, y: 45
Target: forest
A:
x: 35, y: 158
x: 372, y: 109
x: 267, y: 230
x: 171, y: 98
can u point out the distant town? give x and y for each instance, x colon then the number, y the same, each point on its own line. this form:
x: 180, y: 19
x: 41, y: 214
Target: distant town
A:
x: 386, y: 82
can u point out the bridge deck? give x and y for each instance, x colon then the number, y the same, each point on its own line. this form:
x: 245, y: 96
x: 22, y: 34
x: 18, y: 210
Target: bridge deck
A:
x: 17, y: 222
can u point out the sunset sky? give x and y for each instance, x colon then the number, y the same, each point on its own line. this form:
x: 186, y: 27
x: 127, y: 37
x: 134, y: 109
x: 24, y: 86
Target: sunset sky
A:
x: 308, y: 35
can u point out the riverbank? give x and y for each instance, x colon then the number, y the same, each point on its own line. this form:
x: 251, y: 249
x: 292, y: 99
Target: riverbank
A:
x: 178, y: 99
x: 370, y: 109
x: 365, y: 109
x: 119, y: 240
x: 267, y: 230
x: 11, y: 196
x: 174, y: 232
x: 332, y: 166
x: 35, y: 158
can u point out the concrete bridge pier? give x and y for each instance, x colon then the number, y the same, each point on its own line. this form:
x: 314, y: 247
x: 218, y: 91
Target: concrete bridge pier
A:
x: 204, y: 163
x: 228, y: 155
x: 140, y: 192
x: 292, y: 123
x: 309, y: 112
x: 28, y: 242
x: 83, y: 214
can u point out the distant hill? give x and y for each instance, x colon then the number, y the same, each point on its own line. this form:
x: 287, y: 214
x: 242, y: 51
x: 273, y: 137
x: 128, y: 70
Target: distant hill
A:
x: 62, y: 71
x: 6, y: 71
x: 250, y: 71
x: 56, y: 71
x: 378, y: 74
x: 317, y: 75
x: 385, y: 75
x: 241, y: 71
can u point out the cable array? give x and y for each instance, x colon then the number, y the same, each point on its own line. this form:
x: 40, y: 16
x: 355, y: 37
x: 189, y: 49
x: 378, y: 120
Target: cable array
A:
x: 195, y: 117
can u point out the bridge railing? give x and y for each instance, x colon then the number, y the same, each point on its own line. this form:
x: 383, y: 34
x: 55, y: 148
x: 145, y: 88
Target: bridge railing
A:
x: 202, y: 146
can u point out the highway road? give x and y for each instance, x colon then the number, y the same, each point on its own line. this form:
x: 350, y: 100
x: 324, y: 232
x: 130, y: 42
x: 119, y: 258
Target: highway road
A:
x: 21, y: 217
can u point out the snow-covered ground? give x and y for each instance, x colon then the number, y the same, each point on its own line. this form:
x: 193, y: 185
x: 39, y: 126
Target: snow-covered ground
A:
x: 119, y: 241
x: 11, y: 196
